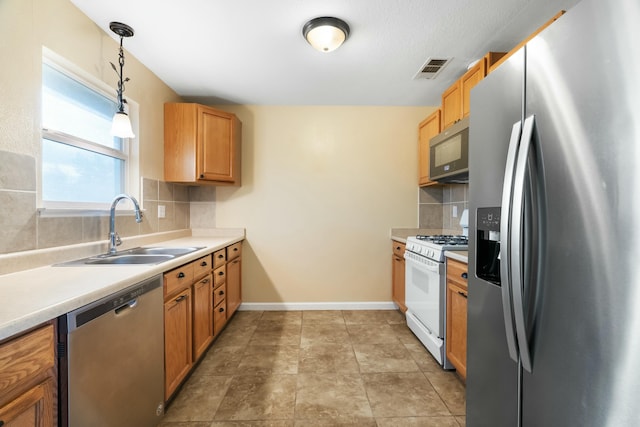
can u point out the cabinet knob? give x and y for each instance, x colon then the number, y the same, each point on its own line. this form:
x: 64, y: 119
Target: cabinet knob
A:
x: 220, y: 273
x: 464, y: 275
x: 205, y: 281
x: 201, y: 176
x: 220, y: 256
x: 180, y: 298
x: 204, y: 264
x: 221, y: 309
x: 235, y: 249
x: 180, y: 275
x: 221, y: 293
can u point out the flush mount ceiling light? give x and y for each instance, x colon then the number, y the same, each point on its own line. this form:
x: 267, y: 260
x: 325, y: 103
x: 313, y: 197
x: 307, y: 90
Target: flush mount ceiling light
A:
x: 121, y: 126
x: 326, y: 33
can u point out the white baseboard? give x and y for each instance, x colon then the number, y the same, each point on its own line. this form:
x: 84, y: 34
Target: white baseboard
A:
x: 295, y: 306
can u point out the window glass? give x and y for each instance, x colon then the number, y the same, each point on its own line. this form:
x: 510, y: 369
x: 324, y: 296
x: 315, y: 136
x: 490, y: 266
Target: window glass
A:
x: 81, y: 160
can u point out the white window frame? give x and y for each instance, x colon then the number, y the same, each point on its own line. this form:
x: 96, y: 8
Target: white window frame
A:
x: 130, y: 145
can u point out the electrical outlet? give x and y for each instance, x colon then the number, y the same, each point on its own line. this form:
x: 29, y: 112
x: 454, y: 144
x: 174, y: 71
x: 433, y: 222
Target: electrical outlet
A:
x: 161, y: 211
x: 454, y: 211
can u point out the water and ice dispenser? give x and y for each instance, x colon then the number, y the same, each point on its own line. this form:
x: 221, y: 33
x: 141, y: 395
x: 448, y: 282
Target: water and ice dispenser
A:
x: 488, y: 244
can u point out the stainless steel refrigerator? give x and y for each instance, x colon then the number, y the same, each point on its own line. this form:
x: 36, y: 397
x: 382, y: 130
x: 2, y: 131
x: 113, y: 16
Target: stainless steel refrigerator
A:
x: 554, y: 241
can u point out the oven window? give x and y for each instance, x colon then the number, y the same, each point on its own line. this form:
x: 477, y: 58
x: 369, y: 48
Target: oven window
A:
x: 448, y: 151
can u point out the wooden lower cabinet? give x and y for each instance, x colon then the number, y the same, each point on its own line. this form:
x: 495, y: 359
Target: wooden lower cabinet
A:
x: 397, y: 274
x: 28, y: 379
x: 177, y: 340
x: 456, y: 338
x: 195, y: 310
x: 234, y: 291
x: 202, y: 316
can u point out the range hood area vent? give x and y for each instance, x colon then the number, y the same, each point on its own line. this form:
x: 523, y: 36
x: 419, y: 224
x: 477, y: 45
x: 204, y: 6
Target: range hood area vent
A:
x: 432, y: 68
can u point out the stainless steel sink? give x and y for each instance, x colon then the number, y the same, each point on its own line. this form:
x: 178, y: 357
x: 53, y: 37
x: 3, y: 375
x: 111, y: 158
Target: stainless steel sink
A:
x: 149, y: 255
x: 161, y: 251
x: 130, y: 259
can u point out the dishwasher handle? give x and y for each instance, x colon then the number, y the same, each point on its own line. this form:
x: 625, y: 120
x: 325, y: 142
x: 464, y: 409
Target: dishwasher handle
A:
x: 118, y: 302
x: 131, y: 304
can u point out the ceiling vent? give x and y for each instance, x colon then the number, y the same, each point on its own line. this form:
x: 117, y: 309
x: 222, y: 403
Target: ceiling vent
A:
x: 432, y: 68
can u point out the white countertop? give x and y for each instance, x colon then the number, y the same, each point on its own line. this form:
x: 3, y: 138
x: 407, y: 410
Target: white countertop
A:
x: 34, y: 296
x: 462, y: 256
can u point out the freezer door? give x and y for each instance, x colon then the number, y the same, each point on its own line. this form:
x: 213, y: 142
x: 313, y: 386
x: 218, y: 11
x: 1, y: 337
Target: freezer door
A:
x: 583, y: 88
x: 492, y: 390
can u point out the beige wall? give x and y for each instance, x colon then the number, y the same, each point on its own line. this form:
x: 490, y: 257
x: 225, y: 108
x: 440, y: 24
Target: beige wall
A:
x: 322, y: 186
x: 25, y: 27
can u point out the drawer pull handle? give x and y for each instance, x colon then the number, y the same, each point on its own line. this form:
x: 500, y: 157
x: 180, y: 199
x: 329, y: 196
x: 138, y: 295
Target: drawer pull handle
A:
x: 204, y: 264
x: 464, y: 275
x: 462, y: 293
x: 221, y: 309
x: 180, y: 275
x: 180, y: 298
x: 221, y: 273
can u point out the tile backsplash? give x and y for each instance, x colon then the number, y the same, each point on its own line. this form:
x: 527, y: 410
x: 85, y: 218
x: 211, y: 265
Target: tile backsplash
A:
x: 23, y: 227
x: 438, y: 204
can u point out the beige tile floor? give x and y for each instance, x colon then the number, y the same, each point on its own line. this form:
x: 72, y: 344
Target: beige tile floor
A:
x: 318, y: 368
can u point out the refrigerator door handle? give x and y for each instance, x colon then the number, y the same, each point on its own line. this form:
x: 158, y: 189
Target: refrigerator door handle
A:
x: 516, y: 242
x: 505, y: 241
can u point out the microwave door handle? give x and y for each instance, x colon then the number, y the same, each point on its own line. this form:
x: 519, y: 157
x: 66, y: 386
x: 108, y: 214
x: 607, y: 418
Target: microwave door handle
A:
x: 517, y: 250
x: 505, y: 241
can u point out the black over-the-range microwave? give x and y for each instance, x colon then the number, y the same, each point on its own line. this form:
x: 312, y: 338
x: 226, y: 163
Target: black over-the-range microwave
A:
x: 449, y: 154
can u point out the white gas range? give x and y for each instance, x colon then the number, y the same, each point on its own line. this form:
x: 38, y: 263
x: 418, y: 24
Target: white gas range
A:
x: 425, y: 289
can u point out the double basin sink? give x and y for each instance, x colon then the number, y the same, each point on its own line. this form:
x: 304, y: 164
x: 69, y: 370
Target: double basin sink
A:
x: 150, y: 255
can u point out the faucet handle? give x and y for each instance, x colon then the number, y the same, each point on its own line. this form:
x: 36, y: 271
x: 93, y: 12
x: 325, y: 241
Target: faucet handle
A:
x: 118, y: 240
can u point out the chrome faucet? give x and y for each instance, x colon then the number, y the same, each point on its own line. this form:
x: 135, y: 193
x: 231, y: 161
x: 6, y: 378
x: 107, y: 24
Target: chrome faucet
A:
x: 114, y: 239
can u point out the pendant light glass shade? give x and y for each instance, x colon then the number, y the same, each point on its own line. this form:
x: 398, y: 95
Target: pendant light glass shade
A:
x: 121, y: 126
x: 326, y: 33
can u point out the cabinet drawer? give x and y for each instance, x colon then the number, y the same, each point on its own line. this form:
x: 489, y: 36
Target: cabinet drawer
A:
x: 398, y: 248
x: 178, y: 279
x: 234, y: 251
x: 219, y: 294
x: 219, y: 316
x: 219, y: 275
x: 202, y: 266
x: 219, y: 258
x: 457, y: 272
x: 26, y: 357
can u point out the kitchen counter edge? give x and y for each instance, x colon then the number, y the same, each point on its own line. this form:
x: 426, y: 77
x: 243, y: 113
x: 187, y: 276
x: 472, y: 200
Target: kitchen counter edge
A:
x: 32, y: 297
x: 462, y: 256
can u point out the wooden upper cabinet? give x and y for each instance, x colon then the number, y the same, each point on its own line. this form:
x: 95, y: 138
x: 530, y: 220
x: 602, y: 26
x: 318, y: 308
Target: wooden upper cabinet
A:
x: 451, y: 104
x: 201, y: 145
x: 427, y: 129
x: 472, y: 77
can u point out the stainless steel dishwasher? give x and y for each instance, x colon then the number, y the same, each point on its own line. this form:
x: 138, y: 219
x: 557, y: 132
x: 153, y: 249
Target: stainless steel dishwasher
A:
x: 112, y: 360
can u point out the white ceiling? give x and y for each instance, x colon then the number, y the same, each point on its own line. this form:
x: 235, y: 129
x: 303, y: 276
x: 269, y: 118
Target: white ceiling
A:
x: 252, y: 51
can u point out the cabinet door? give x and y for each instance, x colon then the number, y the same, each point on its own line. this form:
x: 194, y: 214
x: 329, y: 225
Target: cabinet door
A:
x: 34, y: 407
x: 398, y: 282
x: 177, y: 340
x: 457, y: 327
x: 471, y: 78
x: 202, y: 316
x: 427, y: 129
x: 234, y: 287
x: 451, y: 105
x: 216, y: 147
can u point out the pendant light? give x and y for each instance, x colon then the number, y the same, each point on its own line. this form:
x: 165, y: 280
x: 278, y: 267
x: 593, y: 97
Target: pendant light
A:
x: 326, y: 33
x: 121, y: 126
